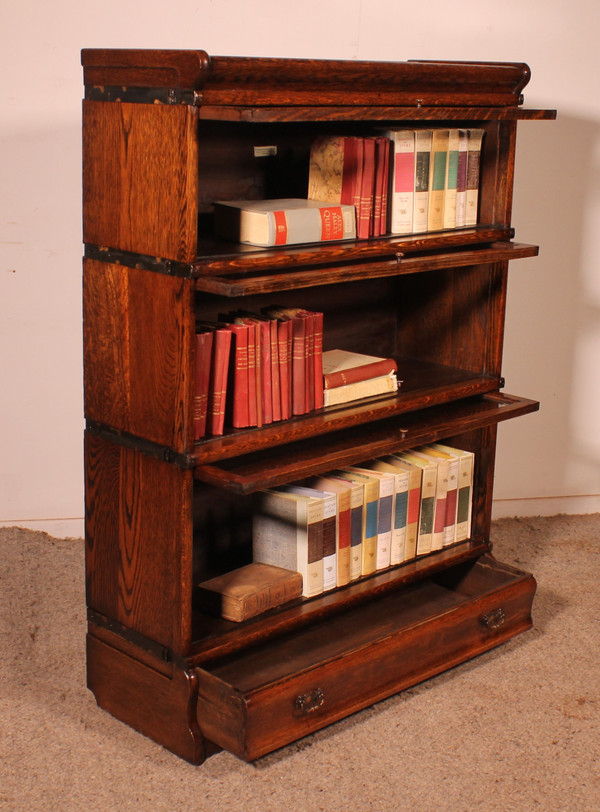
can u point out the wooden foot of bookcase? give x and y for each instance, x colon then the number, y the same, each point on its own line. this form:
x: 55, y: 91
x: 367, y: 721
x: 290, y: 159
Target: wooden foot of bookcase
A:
x: 161, y: 704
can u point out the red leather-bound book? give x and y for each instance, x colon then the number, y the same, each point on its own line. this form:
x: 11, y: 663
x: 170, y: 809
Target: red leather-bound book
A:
x: 284, y: 335
x: 203, y: 362
x: 341, y: 367
x: 275, y: 374
x: 365, y: 210
x: 318, y: 358
x: 239, y: 395
x: 298, y: 355
x: 218, y: 380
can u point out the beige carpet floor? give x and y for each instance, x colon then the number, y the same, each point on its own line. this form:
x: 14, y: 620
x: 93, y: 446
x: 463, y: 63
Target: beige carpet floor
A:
x: 516, y: 729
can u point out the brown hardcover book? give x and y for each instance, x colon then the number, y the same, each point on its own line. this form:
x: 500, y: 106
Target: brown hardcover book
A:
x: 249, y: 591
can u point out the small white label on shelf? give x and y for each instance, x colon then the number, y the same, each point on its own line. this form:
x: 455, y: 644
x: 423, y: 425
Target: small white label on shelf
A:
x: 264, y: 152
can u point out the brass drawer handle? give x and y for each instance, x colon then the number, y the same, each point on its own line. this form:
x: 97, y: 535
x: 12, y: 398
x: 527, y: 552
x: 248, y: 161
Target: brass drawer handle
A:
x: 310, y: 702
x: 494, y: 620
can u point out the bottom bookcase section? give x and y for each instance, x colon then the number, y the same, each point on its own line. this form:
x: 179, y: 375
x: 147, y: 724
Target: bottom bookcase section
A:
x: 272, y: 694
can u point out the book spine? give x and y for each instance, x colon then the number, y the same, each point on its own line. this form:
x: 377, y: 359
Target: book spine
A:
x: 384, y: 522
x: 461, y: 180
x: 403, y: 182
x: 275, y: 371
x: 437, y: 180
x: 356, y: 530
x: 318, y: 359
x: 451, y: 503
x: 475, y: 141
x: 264, y: 328
x: 364, y: 217
x: 218, y: 384
x: 285, y: 372
x: 309, y: 361
x: 441, y: 497
x: 451, y: 183
x: 203, y: 363
x: 383, y: 224
x: 412, y: 513
x: 298, y: 365
x: 240, y: 417
x: 465, y: 497
x: 398, y: 548
x: 422, y: 171
x: 329, y: 542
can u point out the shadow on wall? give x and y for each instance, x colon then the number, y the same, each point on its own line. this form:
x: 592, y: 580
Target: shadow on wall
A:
x: 552, y: 344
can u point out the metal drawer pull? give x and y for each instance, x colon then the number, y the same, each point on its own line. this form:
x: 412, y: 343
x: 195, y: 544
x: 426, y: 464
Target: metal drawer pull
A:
x: 494, y: 619
x: 310, y: 702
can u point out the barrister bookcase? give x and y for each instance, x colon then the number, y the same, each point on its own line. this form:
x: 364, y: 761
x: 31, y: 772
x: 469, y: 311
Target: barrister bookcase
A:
x: 165, y: 134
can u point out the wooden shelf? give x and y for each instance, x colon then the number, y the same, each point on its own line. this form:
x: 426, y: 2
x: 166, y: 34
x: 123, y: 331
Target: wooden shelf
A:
x: 255, y: 115
x: 275, y: 466
x: 218, y: 638
x: 424, y: 384
x: 248, y: 282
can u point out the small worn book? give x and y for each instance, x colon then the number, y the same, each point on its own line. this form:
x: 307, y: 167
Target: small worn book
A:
x: 249, y: 591
x: 284, y: 221
x: 341, y: 367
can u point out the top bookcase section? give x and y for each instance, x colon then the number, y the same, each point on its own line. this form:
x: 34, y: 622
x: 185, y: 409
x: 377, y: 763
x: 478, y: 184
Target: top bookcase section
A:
x: 199, y: 128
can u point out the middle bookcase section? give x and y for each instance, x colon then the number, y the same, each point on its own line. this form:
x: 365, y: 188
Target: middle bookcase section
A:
x: 326, y: 358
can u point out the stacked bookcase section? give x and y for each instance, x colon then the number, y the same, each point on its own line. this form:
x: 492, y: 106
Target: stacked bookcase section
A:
x: 171, y: 505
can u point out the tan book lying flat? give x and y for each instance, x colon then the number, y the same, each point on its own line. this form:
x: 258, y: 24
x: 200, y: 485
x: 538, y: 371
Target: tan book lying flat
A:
x: 249, y: 591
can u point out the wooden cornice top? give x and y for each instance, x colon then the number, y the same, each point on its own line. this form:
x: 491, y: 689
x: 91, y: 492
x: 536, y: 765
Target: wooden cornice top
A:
x: 259, y: 82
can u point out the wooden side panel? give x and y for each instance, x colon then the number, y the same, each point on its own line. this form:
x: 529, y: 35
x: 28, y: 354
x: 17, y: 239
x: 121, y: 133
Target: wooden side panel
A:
x: 140, y: 178
x: 138, y: 330
x: 139, y: 542
x: 497, y: 173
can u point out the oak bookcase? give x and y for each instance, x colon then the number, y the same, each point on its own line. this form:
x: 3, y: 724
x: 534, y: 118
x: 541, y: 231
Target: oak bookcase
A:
x: 165, y: 134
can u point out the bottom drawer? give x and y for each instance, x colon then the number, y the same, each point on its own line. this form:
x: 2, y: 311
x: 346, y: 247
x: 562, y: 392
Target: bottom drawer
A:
x: 273, y: 694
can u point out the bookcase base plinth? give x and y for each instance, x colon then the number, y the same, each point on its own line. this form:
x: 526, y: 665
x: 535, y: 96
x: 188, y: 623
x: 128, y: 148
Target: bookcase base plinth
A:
x: 266, y: 698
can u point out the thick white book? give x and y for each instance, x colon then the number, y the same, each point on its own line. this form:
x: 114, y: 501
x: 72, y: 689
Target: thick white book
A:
x: 284, y: 221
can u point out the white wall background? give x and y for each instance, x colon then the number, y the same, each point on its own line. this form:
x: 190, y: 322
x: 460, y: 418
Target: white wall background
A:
x: 548, y: 462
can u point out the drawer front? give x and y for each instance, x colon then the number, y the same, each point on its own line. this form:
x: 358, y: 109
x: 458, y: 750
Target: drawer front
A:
x: 254, y: 722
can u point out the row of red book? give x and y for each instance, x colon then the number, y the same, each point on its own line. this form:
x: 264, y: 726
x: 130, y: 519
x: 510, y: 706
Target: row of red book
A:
x: 256, y: 369
x: 351, y: 523
x: 402, y: 181
x: 253, y: 369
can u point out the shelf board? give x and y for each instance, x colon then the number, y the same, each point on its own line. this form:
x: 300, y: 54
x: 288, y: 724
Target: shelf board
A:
x: 216, y: 637
x: 254, y: 115
x: 424, y: 384
x: 296, y: 460
x: 217, y: 257
x: 244, y: 283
